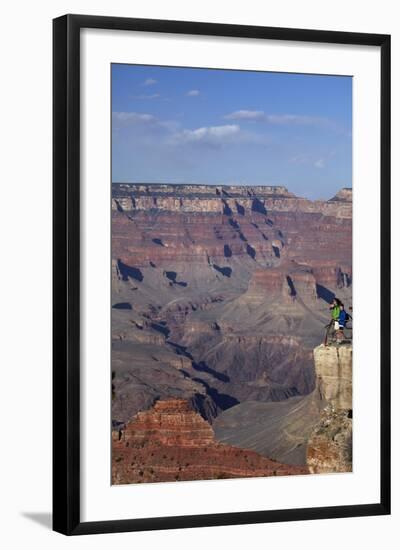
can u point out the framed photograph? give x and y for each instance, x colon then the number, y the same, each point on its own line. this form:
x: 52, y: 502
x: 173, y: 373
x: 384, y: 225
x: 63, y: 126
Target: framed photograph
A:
x: 221, y: 274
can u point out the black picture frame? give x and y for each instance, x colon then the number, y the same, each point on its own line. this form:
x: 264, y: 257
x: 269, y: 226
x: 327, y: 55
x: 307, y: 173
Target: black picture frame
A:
x: 66, y: 272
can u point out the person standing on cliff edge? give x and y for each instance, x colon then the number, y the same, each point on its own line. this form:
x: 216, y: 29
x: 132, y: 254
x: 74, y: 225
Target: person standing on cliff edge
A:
x: 333, y: 326
x: 335, y: 312
x: 343, y: 316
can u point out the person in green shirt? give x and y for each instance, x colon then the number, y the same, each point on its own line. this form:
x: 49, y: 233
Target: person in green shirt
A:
x: 333, y: 326
x: 335, y: 309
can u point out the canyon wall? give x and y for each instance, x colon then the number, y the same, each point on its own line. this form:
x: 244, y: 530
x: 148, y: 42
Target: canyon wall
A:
x: 204, y: 223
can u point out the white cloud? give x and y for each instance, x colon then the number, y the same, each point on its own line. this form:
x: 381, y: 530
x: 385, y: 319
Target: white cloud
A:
x: 171, y: 132
x: 149, y: 82
x: 123, y: 118
x: 246, y: 115
x: 144, y: 127
x: 193, y: 93
x: 211, y: 135
x: 320, y: 163
x: 288, y: 119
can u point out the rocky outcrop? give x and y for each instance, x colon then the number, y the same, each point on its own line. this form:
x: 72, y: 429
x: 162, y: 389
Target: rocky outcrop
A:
x: 333, y: 369
x: 171, y: 442
x: 344, y: 195
x: 330, y: 443
x: 170, y: 423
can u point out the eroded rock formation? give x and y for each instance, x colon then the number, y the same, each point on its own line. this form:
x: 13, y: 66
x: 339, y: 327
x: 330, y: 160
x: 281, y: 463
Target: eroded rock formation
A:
x: 171, y: 442
x: 330, y: 444
x: 333, y: 369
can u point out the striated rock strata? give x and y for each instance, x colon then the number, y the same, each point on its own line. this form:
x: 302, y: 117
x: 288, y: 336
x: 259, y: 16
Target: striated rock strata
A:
x: 171, y: 442
x: 219, y: 198
x: 333, y: 369
x: 330, y: 444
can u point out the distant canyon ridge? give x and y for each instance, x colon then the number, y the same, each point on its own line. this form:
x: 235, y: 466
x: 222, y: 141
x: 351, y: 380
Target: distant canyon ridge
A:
x: 219, y: 296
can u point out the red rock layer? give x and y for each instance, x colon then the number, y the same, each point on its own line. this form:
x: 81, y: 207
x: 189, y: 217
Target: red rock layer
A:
x: 171, y: 442
x: 185, y: 224
x: 284, y: 282
x: 271, y: 280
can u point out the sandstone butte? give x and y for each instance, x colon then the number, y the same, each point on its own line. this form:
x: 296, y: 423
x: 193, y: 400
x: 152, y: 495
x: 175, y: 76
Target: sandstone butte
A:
x: 171, y: 442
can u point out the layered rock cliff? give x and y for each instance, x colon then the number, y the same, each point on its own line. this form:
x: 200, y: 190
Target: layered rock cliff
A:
x: 330, y: 444
x: 171, y: 442
x: 209, y: 223
x: 222, y: 198
x: 333, y: 369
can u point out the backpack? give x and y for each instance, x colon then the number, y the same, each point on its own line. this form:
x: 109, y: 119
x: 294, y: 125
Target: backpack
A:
x: 343, y: 317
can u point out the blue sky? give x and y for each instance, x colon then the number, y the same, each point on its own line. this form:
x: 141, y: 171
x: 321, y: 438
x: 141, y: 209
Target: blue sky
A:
x: 182, y: 125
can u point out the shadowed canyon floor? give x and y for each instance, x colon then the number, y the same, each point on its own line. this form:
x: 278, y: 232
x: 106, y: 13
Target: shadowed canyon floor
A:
x: 219, y: 295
